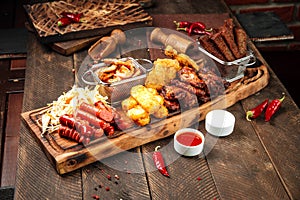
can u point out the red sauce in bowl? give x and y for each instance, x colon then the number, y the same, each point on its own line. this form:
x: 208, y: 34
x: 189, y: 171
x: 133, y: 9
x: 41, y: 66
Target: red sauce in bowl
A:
x: 189, y: 139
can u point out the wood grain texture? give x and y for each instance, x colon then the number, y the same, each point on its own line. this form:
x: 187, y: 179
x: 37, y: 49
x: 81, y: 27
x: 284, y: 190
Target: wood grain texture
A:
x: 240, y: 158
x: 280, y: 136
x: 184, y: 7
x: 53, y: 83
x: 284, y: 130
x: 190, y: 177
x: 99, y: 17
x: 35, y: 171
x: 8, y: 173
x: 72, y: 46
x: 128, y: 180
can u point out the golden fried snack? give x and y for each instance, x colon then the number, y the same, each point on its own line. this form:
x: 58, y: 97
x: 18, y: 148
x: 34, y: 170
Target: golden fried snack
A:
x: 183, y: 59
x: 139, y: 115
x: 159, y: 99
x: 143, y: 102
x: 152, y: 90
x: 164, y: 70
x: 117, y: 70
x: 129, y: 103
x: 145, y: 98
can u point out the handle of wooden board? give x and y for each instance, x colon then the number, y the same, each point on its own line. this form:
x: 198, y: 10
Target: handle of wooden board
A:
x: 179, y: 43
x: 106, y: 45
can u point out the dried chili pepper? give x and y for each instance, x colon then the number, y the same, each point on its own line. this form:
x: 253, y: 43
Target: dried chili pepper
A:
x: 159, y: 162
x: 199, y: 25
x: 255, y: 112
x: 196, y: 28
x: 74, y: 17
x: 182, y: 24
x: 64, y: 21
x: 273, y: 107
x: 195, y: 31
x: 202, y: 32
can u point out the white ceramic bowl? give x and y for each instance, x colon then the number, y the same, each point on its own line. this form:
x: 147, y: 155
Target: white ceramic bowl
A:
x: 219, y: 123
x: 184, y: 143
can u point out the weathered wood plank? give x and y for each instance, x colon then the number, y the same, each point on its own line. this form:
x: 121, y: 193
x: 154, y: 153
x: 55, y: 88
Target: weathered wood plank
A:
x: 18, y: 64
x: 13, y: 114
x: 240, y: 158
x: 54, y: 72
x: 35, y: 172
x: 280, y: 136
x: 9, y: 165
x: 128, y: 180
x: 3, y: 80
x: 72, y: 46
x: 11, y: 140
x: 191, y: 180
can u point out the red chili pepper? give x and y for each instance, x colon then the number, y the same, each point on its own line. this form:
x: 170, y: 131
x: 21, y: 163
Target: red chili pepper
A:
x: 159, y: 162
x: 64, y: 21
x: 273, y: 107
x: 74, y: 17
x: 199, y: 25
x: 202, y: 32
x: 182, y: 24
x: 255, y: 112
x: 195, y: 31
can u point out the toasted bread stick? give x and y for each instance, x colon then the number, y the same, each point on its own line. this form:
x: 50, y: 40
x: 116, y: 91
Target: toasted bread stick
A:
x: 219, y: 41
x: 241, y: 38
x: 209, y: 46
x: 227, y: 33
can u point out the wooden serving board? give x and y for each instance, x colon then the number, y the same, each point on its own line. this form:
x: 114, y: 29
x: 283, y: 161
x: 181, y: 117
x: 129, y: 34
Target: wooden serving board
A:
x: 71, y: 46
x: 67, y: 156
x: 98, y: 18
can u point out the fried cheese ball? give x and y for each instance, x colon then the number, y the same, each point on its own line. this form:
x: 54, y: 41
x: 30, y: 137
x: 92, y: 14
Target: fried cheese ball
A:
x: 139, y: 115
x: 142, y: 103
x: 145, y: 98
x: 129, y: 103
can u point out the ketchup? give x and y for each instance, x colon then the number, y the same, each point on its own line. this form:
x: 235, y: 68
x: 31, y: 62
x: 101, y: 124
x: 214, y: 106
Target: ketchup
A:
x: 189, y: 139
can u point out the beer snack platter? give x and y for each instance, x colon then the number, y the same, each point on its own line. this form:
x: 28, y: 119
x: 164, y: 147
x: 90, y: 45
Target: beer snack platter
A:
x: 176, y: 92
x: 67, y: 155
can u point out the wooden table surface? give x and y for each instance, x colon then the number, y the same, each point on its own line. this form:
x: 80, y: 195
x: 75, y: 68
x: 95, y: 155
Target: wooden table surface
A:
x: 259, y: 160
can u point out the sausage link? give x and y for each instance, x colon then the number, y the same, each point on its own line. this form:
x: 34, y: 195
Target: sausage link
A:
x: 92, y: 119
x: 99, y: 110
x: 81, y: 126
x: 67, y: 120
x: 70, y: 133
